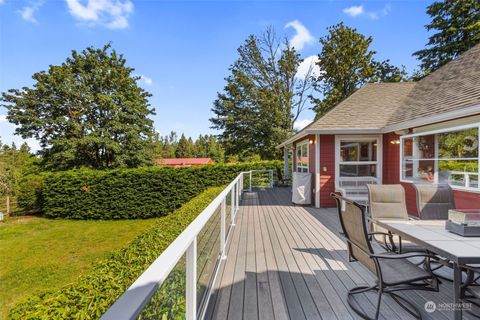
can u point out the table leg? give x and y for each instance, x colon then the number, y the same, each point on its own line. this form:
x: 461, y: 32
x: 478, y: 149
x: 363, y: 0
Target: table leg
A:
x: 457, y: 282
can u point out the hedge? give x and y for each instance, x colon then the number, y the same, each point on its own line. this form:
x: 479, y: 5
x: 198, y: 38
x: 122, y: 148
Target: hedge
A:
x: 92, y: 294
x: 134, y: 193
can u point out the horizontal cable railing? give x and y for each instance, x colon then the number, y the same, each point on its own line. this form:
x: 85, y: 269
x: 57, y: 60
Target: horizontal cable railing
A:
x: 138, y: 295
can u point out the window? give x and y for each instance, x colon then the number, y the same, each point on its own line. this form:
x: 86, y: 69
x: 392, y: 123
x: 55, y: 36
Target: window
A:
x: 358, y: 158
x: 302, y: 156
x: 444, y: 156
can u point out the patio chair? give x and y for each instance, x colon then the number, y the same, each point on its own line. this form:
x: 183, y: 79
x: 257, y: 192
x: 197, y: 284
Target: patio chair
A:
x: 394, y: 272
x: 434, y: 201
x: 470, y: 291
x: 387, y: 201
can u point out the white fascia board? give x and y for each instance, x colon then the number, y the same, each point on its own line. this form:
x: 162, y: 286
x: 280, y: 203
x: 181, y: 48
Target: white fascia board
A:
x: 440, y: 117
x: 345, y: 131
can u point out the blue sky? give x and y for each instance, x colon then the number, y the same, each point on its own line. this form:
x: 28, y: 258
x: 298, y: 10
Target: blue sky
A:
x: 183, y: 48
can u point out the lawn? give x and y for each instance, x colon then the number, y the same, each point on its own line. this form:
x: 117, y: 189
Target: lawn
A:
x: 38, y: 254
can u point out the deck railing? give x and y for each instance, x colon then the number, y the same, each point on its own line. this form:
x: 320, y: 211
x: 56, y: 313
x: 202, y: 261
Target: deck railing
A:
x: 133, y: 301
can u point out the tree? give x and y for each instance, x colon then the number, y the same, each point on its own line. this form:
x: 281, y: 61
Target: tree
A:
x: 386, y: 72
x: 262, y: 98
x: 184, y: 148
x: 15, y: 163
x: 457, y: 28
x: 86, y: 112
x: 347, y: 63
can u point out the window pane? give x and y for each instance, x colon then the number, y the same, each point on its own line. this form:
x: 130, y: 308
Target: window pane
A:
x: 459, y: 144
x: 408, y: 147
x: 425, y: 147
x: 361, y: 170
x: 458, y: 173
x: 407, y: 171
x: 358, y: 151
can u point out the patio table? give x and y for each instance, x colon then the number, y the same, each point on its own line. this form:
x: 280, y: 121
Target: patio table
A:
x: 432, y: 235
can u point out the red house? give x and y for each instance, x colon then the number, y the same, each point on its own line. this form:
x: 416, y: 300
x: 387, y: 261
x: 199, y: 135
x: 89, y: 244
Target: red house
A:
x: 184, y: 162
x: 390, y: 133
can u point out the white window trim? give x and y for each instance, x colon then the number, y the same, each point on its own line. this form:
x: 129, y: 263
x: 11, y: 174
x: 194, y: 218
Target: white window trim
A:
x: 357, y: 138
x: 437, y: 131
x: 300, y: 144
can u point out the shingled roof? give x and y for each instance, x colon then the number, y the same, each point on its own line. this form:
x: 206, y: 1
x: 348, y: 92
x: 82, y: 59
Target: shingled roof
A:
x: 384, y: 107
x: 454, y: 86
x: 370, y: 107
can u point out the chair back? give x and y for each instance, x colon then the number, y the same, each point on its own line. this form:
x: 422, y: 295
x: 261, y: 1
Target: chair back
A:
x: 387, y: 201
x: 353, y: 222
x: 434, y: 201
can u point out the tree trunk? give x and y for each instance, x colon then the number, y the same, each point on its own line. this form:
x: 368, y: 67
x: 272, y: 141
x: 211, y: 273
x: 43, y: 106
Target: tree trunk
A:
x: 7, y: 203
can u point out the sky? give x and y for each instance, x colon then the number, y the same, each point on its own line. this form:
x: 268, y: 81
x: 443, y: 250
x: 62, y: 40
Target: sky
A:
x: 183, y: 49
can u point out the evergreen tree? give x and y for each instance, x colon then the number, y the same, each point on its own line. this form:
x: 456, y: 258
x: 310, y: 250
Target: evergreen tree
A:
x: 456, y: 24
x: 347, y: 63
x: 183, y: 149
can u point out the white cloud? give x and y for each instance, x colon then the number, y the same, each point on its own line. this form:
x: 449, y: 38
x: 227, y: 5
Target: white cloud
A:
x: 112, y: 14
x: 300, y: 124
x: 3, y: 118
x: 302, y: 36
x: 28, y: 12
x: 307, y: 66
x: 146, y: 80
x: 354, y: 11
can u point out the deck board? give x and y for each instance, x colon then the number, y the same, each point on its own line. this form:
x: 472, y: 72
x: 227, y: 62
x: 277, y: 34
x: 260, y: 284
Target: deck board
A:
x: 289, y: 262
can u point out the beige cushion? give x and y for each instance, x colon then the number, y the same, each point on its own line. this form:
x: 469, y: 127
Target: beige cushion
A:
x: 387, y: 201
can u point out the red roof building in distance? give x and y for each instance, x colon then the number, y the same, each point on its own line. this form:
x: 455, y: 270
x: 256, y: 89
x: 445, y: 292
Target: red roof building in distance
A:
x: 184, y: 162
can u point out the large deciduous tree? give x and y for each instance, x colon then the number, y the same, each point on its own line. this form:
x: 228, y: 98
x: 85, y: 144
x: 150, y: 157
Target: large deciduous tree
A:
x: 346, y: 63
x: 456, y: 24
x: 86, y: 112
x: 262, y: 98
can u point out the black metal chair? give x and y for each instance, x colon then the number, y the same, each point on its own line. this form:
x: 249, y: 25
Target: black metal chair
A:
x: 470, y: 291
x: 394, y: 271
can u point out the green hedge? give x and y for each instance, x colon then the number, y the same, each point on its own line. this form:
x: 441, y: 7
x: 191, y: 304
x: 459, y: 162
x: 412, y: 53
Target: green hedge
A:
x: 134, y: 193
x: 30, y: 199
x: 92, y: 294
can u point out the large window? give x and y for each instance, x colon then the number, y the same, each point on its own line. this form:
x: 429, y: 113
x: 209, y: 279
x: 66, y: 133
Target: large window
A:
x: 444, y: 156
x: 301, y: 157
x: 358, y: 157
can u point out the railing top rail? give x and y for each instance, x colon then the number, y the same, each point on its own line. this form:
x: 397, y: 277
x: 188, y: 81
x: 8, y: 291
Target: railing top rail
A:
x: 132, y: 301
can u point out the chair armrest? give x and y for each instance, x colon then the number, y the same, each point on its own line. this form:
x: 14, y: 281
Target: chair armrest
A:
x: 403, y: 255
x: 392, y: 246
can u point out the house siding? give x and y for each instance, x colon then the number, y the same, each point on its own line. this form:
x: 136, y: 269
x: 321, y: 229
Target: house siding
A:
x: 327, y: 177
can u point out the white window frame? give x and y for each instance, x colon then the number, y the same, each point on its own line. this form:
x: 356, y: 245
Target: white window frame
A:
x: 298, y: 167
x: 436, y: 159
x: 358, y: 138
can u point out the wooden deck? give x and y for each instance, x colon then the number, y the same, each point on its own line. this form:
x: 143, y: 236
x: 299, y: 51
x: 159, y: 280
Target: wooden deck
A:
x: 289, y: 262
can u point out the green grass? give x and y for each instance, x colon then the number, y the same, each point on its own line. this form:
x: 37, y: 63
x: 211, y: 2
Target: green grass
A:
x: 37, y: 254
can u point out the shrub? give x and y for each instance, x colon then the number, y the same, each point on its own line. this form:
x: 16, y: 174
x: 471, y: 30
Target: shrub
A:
x: 133, y: 193
x: 29, y: 198
x: 92, y: 294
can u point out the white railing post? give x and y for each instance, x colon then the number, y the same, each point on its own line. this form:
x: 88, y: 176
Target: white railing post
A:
x: 223, y: 234
x: 467, y: 180
x: 250, y: 188
x: 191, y: 285
x: 232, y: 204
